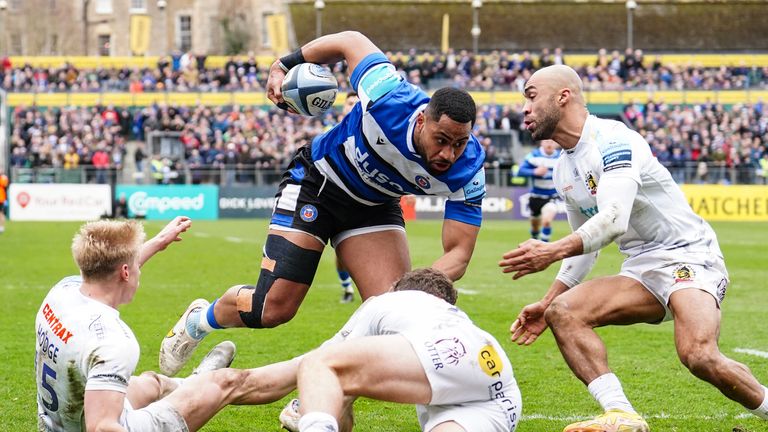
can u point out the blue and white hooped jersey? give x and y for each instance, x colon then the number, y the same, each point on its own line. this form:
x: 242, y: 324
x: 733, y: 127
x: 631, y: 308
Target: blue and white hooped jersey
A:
x: 541, y: 186
x: 371, y: 155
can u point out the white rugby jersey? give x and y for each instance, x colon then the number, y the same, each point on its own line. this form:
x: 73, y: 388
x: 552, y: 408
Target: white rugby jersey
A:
x: 660, y: 219
x: 82, y: 344
x: 444, y: 335
x: 400, y: 312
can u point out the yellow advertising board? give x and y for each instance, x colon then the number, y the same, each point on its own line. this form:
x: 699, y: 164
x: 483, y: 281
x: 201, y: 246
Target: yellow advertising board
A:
x: 728, y: 203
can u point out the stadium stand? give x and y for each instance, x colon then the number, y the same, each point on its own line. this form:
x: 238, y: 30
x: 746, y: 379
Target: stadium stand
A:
x: 83, y: 120
x: 498, y: 70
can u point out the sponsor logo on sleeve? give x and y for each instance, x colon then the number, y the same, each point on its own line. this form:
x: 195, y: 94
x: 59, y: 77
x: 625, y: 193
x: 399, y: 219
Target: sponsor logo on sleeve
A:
x: 475, y: 189
x: 380, y: 81
x: 616, y: 155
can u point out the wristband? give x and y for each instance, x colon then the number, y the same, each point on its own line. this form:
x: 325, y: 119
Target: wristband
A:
x: 291, y: 60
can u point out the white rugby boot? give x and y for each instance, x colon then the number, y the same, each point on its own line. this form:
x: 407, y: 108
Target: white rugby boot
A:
x: 178, y: 345
x: 221, y: 356
x: 289, y: 416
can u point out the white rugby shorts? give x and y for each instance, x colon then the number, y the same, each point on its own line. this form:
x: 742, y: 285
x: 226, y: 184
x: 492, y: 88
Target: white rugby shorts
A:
x: 706, y: 272
x: 158, y: 416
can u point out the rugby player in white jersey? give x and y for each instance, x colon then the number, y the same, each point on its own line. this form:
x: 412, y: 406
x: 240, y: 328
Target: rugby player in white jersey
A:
x: 615, y: 190
x: 85, y: 354
x: 412, y: 345
x: 345, y: 189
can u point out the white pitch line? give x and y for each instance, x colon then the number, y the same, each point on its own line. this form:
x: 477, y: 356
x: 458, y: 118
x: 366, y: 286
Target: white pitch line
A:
x: 201, y: 234
x: 753, y: 352
x: 661, y: 415
x: 466, y: 291
x: 233, y: 239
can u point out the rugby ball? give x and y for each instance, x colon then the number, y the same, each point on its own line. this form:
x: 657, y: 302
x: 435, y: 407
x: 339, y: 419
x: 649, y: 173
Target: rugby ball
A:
x: 309, y: 89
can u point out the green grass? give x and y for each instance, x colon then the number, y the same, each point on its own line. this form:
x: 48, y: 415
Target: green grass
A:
x: 210, y: 259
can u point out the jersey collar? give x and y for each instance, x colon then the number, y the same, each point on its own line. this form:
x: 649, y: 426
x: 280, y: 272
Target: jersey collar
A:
x: 411, y: 127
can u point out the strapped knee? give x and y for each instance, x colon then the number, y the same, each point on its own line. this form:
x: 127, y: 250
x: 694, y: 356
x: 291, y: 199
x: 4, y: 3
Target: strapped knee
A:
x: 281, y: 260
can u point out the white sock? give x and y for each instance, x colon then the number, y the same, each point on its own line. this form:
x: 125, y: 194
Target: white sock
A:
x: 318, y: 422
x: 762, y: 410
x: 203, y: 324
x: 607, y: 391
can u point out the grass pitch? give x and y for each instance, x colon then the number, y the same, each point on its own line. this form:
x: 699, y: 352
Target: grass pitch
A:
x: 216, y: 255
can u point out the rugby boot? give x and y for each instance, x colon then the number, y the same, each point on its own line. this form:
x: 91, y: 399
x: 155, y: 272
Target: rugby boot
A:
x: 611, y: 421
x: 289, y: 416
x: 221, y: 356
x: 178, y: 345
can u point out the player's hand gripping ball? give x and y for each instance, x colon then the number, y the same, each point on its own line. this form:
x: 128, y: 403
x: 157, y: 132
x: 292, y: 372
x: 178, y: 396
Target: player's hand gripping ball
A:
x: 309, y: 89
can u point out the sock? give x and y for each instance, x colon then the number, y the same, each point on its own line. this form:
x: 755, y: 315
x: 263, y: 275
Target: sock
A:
x: 318, y: 422
x: 346, y: 280
x: 208, y: 321
x: 202, y: 321
x: 534, y: 235
x: 607, y: 391
x: 546, y: 233
x: 762, y: 410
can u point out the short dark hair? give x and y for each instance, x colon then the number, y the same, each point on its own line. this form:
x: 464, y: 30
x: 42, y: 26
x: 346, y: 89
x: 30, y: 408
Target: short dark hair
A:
x: 430, y: 281
x: 457, y: 104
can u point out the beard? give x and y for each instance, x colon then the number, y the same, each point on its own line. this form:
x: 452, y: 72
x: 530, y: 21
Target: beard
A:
x: 547, y: 123
x: 434, y: 171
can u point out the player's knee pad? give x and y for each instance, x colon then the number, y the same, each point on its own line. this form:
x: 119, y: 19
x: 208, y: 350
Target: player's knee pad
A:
x: 281, y: 260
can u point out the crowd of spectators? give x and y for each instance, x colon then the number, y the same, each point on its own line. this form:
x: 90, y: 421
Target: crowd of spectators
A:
x: 703, y: 143
x: 706, y: 143
x: 497, y: 70
x: 212, y: 138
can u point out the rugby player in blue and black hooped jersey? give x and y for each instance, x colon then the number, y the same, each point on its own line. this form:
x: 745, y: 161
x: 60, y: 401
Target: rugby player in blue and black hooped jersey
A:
x: 345, y: 188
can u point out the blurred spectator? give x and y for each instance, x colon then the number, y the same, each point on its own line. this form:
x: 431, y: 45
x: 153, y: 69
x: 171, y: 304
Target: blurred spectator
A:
x: 235, y: 141
x: 499, y: 70
x: 120, y: 207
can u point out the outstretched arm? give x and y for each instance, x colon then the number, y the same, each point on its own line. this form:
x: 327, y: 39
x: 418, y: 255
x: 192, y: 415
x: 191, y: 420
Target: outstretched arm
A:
x: 615, y: 197
x: 166, y: 236
x: 458, y: 244
x: 351, y: 46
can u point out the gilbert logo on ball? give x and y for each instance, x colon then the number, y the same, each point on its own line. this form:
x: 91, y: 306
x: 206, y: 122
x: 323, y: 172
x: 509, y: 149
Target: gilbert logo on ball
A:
x: 309, y: 89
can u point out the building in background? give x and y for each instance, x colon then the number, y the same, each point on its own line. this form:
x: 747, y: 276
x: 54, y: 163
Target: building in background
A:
x: 222, y: 27
x: 138, y: 27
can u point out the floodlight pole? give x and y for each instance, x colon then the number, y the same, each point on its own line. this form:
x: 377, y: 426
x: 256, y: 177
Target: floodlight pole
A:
x: 631, y: 6
x: 476, y: 5
x: 319, y: 6
x: 4, y: 50
x: 86, y: 3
